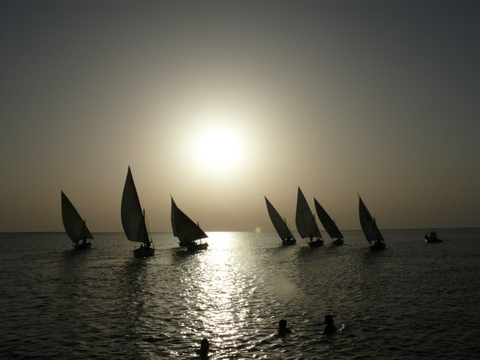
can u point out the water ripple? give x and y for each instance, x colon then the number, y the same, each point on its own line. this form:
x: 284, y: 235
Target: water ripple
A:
x: 411, y: 301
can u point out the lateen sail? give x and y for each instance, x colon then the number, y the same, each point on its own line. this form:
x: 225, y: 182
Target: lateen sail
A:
x: 279, y: 224
x: 74, y: 225
x: 133, y: 218
x: 369, y: 225
x: 327, y: 222
x: 304, y: 219
x: 184, y: 228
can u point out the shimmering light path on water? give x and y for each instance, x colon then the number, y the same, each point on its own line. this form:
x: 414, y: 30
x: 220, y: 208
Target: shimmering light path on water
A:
x: 413, y: 300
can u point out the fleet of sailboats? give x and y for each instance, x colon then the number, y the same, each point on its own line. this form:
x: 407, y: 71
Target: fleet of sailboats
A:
x: 280, y: 225
x: 75, y: 226
x: 328, y: 224
x: 133, y: 219
x: 370, y: 228
x: 305, y: 221
x: 190, y: 234
x: 186, y: 230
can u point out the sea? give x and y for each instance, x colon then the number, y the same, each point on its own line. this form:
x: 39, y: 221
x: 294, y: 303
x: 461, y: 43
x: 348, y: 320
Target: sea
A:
x: 412, y: 300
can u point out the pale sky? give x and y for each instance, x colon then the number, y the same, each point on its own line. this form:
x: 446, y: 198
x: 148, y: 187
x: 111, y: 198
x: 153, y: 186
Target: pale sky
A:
x: 379, y: 98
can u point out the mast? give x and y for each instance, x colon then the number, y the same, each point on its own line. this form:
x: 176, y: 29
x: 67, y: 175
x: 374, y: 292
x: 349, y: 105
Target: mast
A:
x: 327, y: 222
x: 304, y: 218
x: 133, y: 217
x: 279, y: 224
x: 74, y: 225
x: 184, y: 228
x: 368, y: 223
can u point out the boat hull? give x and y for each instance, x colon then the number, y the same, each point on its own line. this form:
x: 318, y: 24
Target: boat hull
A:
x: 193, y: 246
x: 315, y: 243
x: 143, y: 252
x: 338, y: 242
x: 432, y: 238
x: 83, y: 246
x: 377, y: 245
x: 287, y: 242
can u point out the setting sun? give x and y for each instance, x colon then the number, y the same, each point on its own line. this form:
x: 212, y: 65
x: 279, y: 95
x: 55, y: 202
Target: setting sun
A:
x: 219, y: 149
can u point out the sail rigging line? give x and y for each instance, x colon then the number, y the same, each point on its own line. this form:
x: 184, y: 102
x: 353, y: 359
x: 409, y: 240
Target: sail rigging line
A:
x: 148, y: 227
x: 328, y: 223
x: 133, y: 218
x: 186, y: 230
x: 370, y: 228
x: 306, y: 221
x: 280, y: 224
x: 75, y: 226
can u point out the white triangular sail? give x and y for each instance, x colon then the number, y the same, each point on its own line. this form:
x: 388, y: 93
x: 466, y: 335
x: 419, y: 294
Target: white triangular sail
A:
x: 184, y: 228
x: 327, y: 222
x: 305, y: 220
x: 278, y: 223
x: 133, y: 218
x: 369, y: 226
x: 75, y: 226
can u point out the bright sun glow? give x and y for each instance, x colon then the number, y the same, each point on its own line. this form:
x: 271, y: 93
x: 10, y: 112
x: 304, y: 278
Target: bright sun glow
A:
x: 219, y: 149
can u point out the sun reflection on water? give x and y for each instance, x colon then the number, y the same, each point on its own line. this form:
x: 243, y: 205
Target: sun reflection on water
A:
x: 220, y: 289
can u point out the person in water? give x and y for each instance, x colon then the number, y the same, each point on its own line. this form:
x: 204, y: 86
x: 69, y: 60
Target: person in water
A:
x: 329, y: 327
x: 204, y: 347
x: 282, y: 328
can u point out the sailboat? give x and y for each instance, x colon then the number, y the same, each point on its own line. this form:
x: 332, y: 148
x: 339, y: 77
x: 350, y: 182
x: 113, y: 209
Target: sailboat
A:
x: 328, y: 224
x: 369, y: 227
x: 305, y: 221
x: 186, y: 230
x: 432, y: 237
x: 75, y: 226
x: 133, y: 219
x: 280, y: 225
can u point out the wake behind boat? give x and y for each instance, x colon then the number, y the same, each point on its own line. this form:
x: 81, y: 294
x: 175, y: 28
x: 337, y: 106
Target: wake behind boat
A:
x: 328, y: 224
x: 133, y: 219
x: 280, y: 225
x: 75, y: 226
x: 187, y: 232
x: 369, y: 227
x: 305, y: 221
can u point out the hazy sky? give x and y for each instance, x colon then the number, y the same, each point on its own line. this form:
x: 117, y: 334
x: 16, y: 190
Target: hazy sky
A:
x: 379, y: 98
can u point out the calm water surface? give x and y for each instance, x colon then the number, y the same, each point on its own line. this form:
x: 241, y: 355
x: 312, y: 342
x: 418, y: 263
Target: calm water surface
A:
x: 413, y: 300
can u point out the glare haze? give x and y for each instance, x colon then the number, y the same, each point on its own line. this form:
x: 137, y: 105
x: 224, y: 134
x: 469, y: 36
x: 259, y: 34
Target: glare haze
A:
x: 378, y: 98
